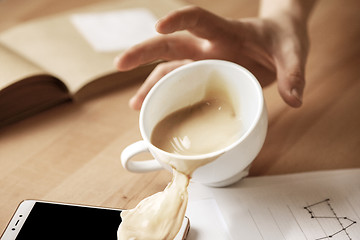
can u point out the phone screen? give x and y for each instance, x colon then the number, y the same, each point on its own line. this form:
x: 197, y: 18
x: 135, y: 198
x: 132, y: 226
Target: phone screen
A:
x: 56, y: 221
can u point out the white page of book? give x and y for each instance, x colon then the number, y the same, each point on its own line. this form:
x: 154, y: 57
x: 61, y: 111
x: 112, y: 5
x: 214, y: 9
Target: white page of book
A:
x: 116, y: 30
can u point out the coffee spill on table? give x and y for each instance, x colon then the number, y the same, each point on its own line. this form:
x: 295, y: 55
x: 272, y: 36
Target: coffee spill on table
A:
x: 160, y: 216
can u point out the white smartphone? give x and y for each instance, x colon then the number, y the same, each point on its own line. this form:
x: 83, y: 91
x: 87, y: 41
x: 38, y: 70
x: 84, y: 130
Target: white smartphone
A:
x: 42, y: 220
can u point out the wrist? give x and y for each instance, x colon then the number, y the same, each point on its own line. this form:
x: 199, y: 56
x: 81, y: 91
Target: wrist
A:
x: 295, y: 10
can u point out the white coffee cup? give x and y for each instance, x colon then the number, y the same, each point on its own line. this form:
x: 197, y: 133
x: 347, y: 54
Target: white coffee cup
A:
x: 185, y: 86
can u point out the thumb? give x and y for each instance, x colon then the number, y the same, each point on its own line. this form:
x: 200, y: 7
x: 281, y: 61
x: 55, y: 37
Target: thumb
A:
x: 291, y: 78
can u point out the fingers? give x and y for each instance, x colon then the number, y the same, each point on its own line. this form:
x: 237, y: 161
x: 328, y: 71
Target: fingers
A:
x: 167, y: 47
x: 198, y: 21
x: 177, y: 46
x: 142, y: 53
x: 160, y: 71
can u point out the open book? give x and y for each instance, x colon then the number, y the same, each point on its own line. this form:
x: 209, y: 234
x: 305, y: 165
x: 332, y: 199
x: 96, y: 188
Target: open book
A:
x: 49, y: 60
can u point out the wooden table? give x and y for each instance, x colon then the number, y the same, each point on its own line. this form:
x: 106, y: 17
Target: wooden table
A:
x: 71, y: 152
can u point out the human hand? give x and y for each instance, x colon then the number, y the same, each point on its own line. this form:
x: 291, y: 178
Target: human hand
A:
x: 271, y: 48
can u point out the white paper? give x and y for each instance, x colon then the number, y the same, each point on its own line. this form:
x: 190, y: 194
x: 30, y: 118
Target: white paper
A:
x: 309, y: 206
x: 206, y: 221
x: 115, y: 30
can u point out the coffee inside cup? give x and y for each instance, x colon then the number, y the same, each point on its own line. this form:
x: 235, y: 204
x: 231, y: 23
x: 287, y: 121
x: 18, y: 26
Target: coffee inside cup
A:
x: 204, y: 127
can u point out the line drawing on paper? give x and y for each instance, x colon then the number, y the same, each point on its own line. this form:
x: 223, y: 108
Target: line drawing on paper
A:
x: 344, y: 222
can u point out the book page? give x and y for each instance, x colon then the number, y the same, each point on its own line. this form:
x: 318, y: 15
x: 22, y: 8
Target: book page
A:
x: 309, y: 206
x: 116, y: 30
x: 14, y: 68
x: 25, y: 88
x: 56, y: 45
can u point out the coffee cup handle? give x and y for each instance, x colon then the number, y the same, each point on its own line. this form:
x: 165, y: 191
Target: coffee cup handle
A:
x: 138, y: 166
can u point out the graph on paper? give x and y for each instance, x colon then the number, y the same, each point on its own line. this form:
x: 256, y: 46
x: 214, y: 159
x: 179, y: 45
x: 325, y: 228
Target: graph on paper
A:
x: 324, y: 212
